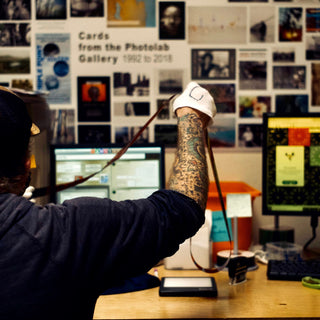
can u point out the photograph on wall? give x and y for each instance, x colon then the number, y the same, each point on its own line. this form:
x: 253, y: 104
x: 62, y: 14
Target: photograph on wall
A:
x: 86, y: 8
x: 295, y: 103
x: 15, y: 34
x: 166, y: 134
x: 290, y: 24
x: 51, y: 9
x: 94, y: 134
x: 262, y: 24
x: 53, y: 66
x: 24, y: 84
x: 131, y: 13
x: 223, y: 132
x: 217, y: 25
x: 250, y: 135
x: 312, y: 47
x: 131, y: 84
x: 14, y: 61
x: 313, y: 19
x: 15, y: 10
x: 283, y: 54
x: 253, y: 75
x: 315, y: 84
x: 213, y: 64
x: 254, y: 106
x: 166, y: 112
x: 125, y: 134
x: 62, y: 126
x: 131, y: 109
x: 224, y: 96
x: 289, y: 77
x: 171, y: 20
x: 170, y: 81
x: 93, y: 99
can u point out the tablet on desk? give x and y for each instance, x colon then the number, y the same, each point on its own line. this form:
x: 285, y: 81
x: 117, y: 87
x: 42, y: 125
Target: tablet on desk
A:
x: 188, y: 287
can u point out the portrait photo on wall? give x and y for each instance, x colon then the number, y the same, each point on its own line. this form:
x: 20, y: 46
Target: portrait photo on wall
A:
x: 223, y: 132
x: 15, y: 34
x: 294, y: 103
x: 312, y: 47
x: 15, y: 10
x: 86, y: 8
x: 262, y: 24
x: 125, y: 134
x: 250, y: 135
x: 51, y: 9
x: 253, y: 75
x: 131, y: 13
x: 254, y: 106
x: 217, y: 25
x: 131, y: 84
x: 170, y: 81
x: 94, y: 134
x: 127, y: 109
x: 313, y: 19
x: 315, y: 84
x: 224, y: 96
x: 171, y: 20
x: 166, y: 113
x: 213, y: 64
x: 283, y: 54
x: 93, y: 99
x: 166, y: 134
x: 290, y: 24
x: 289, y: 77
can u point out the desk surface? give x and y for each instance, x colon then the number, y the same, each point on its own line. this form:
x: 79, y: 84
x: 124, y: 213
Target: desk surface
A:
x: 258, y: 297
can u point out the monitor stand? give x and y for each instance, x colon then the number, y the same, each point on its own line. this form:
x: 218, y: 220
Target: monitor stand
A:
x: 276, y: 233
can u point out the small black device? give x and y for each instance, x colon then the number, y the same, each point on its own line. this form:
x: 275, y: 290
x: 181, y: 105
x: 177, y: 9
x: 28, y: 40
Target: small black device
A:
x: 188, y: 287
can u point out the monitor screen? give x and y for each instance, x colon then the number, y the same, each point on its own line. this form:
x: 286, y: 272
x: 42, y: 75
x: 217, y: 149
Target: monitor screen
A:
x: 137, y: 174
x: 291, y: 164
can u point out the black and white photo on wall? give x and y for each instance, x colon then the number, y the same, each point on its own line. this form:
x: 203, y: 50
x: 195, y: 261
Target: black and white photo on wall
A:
x: 253, y: 75
x: 289, y: 77
x: 15, y: 34
x: 213, y: 64
x: 131, y: 109
x: 93, y: 99
x: 131, y: 84
x: 125, y: 134
x: 171, y: 20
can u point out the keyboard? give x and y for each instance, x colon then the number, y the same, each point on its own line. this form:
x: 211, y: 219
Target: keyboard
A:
x: 293, y: 270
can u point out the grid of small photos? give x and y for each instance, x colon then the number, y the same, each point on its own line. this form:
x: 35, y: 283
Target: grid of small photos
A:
x: 253, y: 56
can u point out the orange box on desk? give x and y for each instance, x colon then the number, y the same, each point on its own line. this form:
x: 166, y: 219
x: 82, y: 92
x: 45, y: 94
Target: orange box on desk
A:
x: 244, y: 224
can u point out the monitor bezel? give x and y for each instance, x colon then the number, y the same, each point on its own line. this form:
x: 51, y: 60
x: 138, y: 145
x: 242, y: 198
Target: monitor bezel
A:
x: 53, y: 147
x: 265, y: 210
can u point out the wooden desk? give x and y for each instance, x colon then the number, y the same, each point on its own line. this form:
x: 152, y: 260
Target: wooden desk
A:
x: 256, y: 298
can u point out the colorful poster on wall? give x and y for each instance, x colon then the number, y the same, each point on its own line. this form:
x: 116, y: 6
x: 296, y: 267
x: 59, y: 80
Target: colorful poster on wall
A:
x: 53, y: 66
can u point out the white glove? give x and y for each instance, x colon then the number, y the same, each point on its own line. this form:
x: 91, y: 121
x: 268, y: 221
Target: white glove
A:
x: 197, y: 98
x: 28, y: 193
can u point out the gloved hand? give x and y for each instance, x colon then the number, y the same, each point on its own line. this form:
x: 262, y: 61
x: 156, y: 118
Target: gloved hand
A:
x: 197, y: 98
x: 28, y: 193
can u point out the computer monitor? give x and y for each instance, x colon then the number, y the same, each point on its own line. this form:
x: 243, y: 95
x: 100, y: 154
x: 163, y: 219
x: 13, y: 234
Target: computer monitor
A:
x: 137, y: 174
x: 291, y: 166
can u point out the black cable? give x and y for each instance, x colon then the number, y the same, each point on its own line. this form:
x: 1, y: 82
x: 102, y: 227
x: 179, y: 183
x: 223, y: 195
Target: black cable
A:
x: 314, y: 225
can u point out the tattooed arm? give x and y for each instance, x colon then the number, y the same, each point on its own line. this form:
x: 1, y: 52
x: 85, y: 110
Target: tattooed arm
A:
x: 189, y: 174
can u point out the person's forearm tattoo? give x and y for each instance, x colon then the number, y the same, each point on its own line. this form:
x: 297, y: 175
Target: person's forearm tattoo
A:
x: 189, y: 173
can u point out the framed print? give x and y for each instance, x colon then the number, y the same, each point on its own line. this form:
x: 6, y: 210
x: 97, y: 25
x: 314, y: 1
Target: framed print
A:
x: 94, y: 134
x: 93, y: 99
x: 213, y: 63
